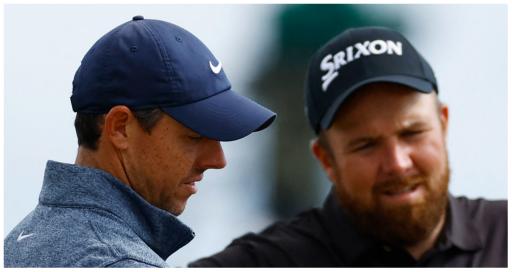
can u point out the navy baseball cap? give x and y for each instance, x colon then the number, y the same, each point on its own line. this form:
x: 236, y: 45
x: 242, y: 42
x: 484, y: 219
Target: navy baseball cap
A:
x: 357, y: 57
x: 146, y: 64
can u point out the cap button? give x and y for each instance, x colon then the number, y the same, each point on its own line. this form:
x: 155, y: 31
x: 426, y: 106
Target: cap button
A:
x: 138, y: 17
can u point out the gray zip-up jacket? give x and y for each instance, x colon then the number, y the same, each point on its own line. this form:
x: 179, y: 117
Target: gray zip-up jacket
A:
x: 88, y: 218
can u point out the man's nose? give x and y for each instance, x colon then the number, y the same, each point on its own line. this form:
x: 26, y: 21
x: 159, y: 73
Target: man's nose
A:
x: 396, y: 160
x: 212, y: 156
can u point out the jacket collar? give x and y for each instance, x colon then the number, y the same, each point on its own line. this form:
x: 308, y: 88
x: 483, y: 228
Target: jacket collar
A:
x: 460, y: 230
x: 71, y: 185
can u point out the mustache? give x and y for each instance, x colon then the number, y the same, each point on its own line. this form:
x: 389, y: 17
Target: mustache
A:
x: 398, y: 183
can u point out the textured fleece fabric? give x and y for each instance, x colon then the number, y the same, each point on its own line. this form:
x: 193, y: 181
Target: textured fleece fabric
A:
x: 88, y: 218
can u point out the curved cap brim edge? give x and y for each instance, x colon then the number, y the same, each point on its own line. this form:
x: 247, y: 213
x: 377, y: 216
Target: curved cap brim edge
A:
x: 226, y: 116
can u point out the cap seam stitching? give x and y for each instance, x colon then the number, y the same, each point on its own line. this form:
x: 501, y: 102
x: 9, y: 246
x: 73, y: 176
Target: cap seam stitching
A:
x: 203, y: 98
x: 162, y: 52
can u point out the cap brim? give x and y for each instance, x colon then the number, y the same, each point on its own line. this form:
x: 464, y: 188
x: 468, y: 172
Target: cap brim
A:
x: 225, y: 116
x: 418, y: 84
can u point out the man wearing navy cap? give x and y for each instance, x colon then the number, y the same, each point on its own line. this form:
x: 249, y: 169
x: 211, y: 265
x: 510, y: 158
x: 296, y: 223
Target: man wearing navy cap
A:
x: 372, y: 100
x: 152, y: 104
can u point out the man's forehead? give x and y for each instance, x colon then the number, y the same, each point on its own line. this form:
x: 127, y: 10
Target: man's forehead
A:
x: 378, y: 100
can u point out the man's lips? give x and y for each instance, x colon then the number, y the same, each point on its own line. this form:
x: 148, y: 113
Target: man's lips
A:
x: 396, y: 190
x: 191, y: 184
x: 194, y: 179
x: 403, y: 194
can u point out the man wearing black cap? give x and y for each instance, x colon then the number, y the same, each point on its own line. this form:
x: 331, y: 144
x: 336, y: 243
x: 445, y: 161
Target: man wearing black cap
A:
x: 152, y: 104
x: 372, y: 100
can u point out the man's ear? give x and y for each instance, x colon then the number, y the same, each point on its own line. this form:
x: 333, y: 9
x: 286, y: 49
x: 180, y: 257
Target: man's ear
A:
x: 443, y: 114
x: 115, y: 126
x: 324, y: 157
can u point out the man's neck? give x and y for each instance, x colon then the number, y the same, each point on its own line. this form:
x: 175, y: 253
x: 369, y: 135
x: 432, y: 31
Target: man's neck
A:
x: 103, y: 160
x: 86, y: 158
x: 423, y: 246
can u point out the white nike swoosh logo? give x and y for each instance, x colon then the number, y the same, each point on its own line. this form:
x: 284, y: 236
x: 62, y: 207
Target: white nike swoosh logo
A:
x: 216, y: 69
x: 21, y: 236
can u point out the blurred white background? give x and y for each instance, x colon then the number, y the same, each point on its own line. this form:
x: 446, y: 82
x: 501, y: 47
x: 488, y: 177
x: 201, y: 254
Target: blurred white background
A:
x: 465, y: 44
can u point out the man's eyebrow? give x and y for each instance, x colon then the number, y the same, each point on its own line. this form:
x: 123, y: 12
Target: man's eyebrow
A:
x: 415, y: 125
x: 419, y: 124
x: 360, y: 140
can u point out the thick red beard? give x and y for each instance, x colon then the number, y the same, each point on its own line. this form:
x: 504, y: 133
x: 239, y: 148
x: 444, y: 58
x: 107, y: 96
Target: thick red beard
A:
x: 403, y: 225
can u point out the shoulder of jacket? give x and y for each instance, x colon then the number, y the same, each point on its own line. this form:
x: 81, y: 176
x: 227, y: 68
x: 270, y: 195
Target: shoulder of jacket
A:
x: 480, y: 207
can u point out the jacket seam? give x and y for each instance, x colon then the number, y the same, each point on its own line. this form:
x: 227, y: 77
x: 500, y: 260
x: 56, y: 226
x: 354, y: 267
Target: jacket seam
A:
x: 114, y: 252
x: 129, y: 258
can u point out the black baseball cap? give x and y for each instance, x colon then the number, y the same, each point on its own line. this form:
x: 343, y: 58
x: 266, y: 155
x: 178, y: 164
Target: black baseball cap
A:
x: 146, y: 64
x: 354, y: 58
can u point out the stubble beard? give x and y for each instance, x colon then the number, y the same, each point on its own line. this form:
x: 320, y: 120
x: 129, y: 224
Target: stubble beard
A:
x: 403, y: 225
